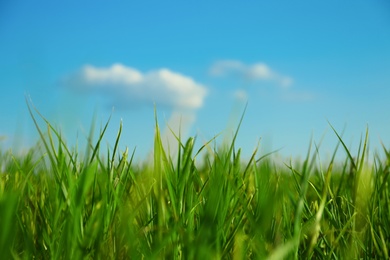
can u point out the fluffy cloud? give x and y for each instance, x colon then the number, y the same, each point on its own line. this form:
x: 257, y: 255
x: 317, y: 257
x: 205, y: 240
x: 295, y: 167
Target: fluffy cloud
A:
x: 257, y: 71
x: 126, y: 85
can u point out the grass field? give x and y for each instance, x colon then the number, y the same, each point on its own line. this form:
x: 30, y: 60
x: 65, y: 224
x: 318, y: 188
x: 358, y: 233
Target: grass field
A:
x: 58, y: 202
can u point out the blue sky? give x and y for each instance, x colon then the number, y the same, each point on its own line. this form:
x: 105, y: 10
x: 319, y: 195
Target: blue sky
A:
x: 296, y: 63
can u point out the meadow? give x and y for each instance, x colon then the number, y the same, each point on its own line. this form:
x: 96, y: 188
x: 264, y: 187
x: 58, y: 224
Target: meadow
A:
x: 58, y: 202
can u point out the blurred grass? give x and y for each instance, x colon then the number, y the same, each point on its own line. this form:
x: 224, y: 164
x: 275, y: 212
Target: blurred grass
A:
x: 58, y: 203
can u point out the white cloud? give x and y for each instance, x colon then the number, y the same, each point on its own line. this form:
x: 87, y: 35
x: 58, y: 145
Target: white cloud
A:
x: 259, y: 71
x: 116, y: 74
x: 126, y: 85
x: 255, y: 72
x: 241, y: 95
x: 221, y: 68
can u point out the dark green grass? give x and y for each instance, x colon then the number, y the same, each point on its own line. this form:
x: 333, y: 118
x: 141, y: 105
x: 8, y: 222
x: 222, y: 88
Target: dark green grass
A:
x: 58, y: 203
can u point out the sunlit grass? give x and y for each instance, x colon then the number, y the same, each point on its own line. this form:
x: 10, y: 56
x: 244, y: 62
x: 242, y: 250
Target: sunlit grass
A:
x: 62, y: 203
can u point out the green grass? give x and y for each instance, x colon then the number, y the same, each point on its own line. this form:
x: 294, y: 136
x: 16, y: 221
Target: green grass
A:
x: 60, y: 203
